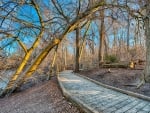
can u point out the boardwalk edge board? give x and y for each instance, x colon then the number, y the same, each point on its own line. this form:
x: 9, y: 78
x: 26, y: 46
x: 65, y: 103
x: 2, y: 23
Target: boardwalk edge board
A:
x: 109, y: 99
x: 140, y: 96
x: 75, y: 100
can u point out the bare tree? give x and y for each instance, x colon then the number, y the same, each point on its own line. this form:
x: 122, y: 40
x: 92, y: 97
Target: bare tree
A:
x: 102, y: 38
x: 56, y: 23
x: 147, y: 34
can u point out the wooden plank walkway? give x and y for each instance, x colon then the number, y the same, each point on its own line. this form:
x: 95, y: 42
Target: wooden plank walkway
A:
x: 95, y: 98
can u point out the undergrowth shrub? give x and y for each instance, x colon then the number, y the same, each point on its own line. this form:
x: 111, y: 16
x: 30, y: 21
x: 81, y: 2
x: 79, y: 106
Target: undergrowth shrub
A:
x: 111, y: 59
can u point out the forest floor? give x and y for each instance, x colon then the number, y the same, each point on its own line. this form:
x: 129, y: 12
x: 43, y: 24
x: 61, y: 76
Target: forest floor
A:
x: 126, y: 79
x: 45, y: 97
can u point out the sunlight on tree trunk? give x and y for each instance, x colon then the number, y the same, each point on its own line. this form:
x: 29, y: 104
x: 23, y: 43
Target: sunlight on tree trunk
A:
x: 26, y: 58
x: 73, y: 25
x: 28, y: 52
x: 41, y: 57
x: 35, y: 44
x: 97, y: 30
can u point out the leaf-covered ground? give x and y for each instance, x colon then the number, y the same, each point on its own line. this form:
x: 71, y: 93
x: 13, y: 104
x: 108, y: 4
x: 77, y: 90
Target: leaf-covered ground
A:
x: 122, y: 78
x: 45, y: 97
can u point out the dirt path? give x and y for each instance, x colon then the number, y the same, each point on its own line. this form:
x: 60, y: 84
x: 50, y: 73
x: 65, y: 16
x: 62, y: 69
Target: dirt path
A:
x: 43, y: 98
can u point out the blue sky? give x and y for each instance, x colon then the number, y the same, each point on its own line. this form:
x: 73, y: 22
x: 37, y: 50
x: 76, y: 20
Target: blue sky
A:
x: 28, y: 14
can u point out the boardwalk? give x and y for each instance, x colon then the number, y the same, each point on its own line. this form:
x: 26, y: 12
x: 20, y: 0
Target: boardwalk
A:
x: 97, y: 99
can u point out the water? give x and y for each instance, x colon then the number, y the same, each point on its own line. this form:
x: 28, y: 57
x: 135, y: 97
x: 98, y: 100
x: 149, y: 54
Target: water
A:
x: 4, y: 77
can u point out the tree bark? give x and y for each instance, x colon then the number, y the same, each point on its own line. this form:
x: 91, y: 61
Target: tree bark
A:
x: 84, y: 40
x: 65, y: 58
x: 28, y: 52
x: 73, y: 25
x: 52, y: 64
x: 26, y: 58
x: 128, y: 33
x: 102, y: 37
x: 77, y: 50
x: 147, y: 34
x: 41, y: 57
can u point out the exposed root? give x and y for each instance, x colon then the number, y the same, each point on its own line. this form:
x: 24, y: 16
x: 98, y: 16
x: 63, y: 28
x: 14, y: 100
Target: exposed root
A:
x: 142, y: 81
x: 130, y: 85
x: 109, y: 71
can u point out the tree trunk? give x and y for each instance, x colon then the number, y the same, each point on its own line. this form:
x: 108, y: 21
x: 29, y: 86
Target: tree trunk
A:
x: 26, y: 58
x: 41, y: 57
x: 52, y: 64
x: 62, y: 57
x: 35, y: 44
x: 44, y: 53
x: 128, y: 33
x: 65, y: 57
x: 84, y: 40
x: 102, y: 36
x: 106, y: 47
x: 147, y: 34
x: 77, y: 50
x: 28, y: 52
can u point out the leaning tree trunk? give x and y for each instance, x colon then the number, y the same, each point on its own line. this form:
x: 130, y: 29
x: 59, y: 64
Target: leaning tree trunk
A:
x: 72, y: 26
x: 147, y: 34
x: 41, y: 57
x: 35, y: 44
x: 26, y: 58
x: 55, y: 42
